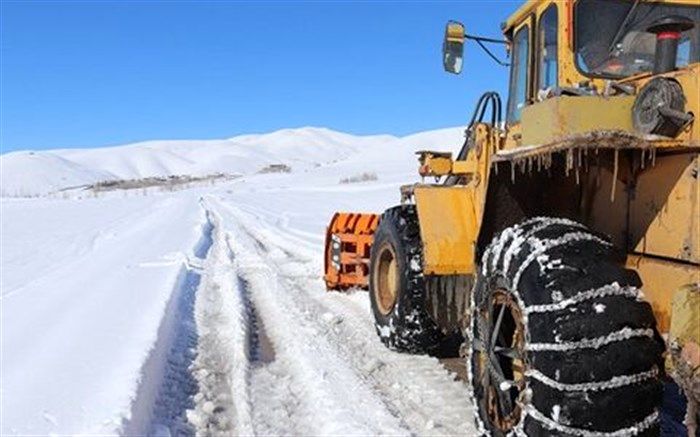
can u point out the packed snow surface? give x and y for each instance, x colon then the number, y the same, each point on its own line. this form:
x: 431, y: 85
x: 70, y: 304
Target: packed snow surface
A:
x: 203, y: 311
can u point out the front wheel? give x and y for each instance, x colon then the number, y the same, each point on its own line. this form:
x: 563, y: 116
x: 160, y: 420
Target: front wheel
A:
x: 561, y: 342
x: 397, y: 284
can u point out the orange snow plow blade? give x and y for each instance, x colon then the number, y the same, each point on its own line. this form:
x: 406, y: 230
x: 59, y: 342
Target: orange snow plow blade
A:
x: 349, y: 237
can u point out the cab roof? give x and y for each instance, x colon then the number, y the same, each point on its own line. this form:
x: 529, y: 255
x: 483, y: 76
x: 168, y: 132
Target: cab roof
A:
x: 530, y: 5
x: 519, y: 15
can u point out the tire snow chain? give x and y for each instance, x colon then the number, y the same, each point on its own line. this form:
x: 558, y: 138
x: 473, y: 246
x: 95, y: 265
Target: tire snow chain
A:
x: 613, y: 289
x: 517, y: 237
x: 542, y: 246
x: 614, y: 382
x: 592, y: 343
x: 633, y: 430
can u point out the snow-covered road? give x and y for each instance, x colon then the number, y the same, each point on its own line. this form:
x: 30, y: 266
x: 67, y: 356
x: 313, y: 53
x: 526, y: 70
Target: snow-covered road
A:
x: 320, y: 369
x: 181, y: 314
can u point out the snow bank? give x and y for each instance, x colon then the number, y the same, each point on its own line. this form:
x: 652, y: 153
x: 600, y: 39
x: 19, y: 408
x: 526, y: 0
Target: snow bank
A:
x: 85, y: 286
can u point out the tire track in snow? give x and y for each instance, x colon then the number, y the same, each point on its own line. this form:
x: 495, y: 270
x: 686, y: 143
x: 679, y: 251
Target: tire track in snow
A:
x: 303, y: 252
x: 222, y: 367
x: 166, y: 388
x: 308, y: 389
x: 272, y: 399
x: 416, y: 390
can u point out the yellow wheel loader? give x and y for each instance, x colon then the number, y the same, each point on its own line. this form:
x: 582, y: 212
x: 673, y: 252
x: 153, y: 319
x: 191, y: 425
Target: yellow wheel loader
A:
x: 562, y: 241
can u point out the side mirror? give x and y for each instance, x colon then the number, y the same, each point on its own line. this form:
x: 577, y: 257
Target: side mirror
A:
x: 453, y: 47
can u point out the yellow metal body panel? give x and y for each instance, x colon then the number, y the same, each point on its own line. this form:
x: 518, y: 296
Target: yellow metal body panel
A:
x: 521, y: 14
x: 434, y: 163
x: 684, y: 333
x: 448, y: 228
x: 558, y: 117
x: 463, y: 167
x: 546, y: 123
x: 685, y: 324
x: 665, y: 209
x: 568, y: 74
x: 450, y: 216
x: 661, y: 279
x: 436, y: 166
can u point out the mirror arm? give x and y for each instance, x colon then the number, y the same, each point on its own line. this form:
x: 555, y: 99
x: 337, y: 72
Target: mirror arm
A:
x: 484, y: 39
x: 479, y: 40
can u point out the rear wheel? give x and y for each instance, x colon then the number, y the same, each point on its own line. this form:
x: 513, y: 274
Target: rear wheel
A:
x: 397, y: 285
x: 561, y: 341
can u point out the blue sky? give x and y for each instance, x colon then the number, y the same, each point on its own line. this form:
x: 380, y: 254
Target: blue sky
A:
x: 96, y: 73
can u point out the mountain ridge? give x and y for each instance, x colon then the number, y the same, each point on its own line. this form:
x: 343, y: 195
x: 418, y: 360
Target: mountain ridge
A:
x: 35, y: 173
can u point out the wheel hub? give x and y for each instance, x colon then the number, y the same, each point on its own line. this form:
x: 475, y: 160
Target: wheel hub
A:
x: 386, y: 279
x: 499, y: 360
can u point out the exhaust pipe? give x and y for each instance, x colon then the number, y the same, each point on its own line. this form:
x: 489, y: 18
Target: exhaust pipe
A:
x: 668, y: 33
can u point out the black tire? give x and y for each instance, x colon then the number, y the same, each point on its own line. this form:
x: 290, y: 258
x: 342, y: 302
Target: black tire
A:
x: 404, y: 326
x: 576, y: 339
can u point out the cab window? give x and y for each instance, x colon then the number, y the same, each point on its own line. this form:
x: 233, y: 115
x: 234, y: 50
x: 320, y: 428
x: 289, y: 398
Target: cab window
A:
x: 517, y: 95
x: 611, y: 38
x: 683, y: 57
x: 547, y: 41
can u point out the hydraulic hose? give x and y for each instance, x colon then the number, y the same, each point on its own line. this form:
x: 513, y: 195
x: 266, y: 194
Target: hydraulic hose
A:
x: 478, y: 115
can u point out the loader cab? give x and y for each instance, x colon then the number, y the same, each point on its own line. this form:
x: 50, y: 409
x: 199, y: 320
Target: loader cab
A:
x: 577, y: 47
x: 541, y: 56
x: 536, y: 37
x: 534, y: 59
x: 536, y: 34
x: 574, y: 47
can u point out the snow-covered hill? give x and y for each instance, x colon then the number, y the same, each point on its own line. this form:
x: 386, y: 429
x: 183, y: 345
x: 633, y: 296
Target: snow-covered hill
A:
x: 28, y: 173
